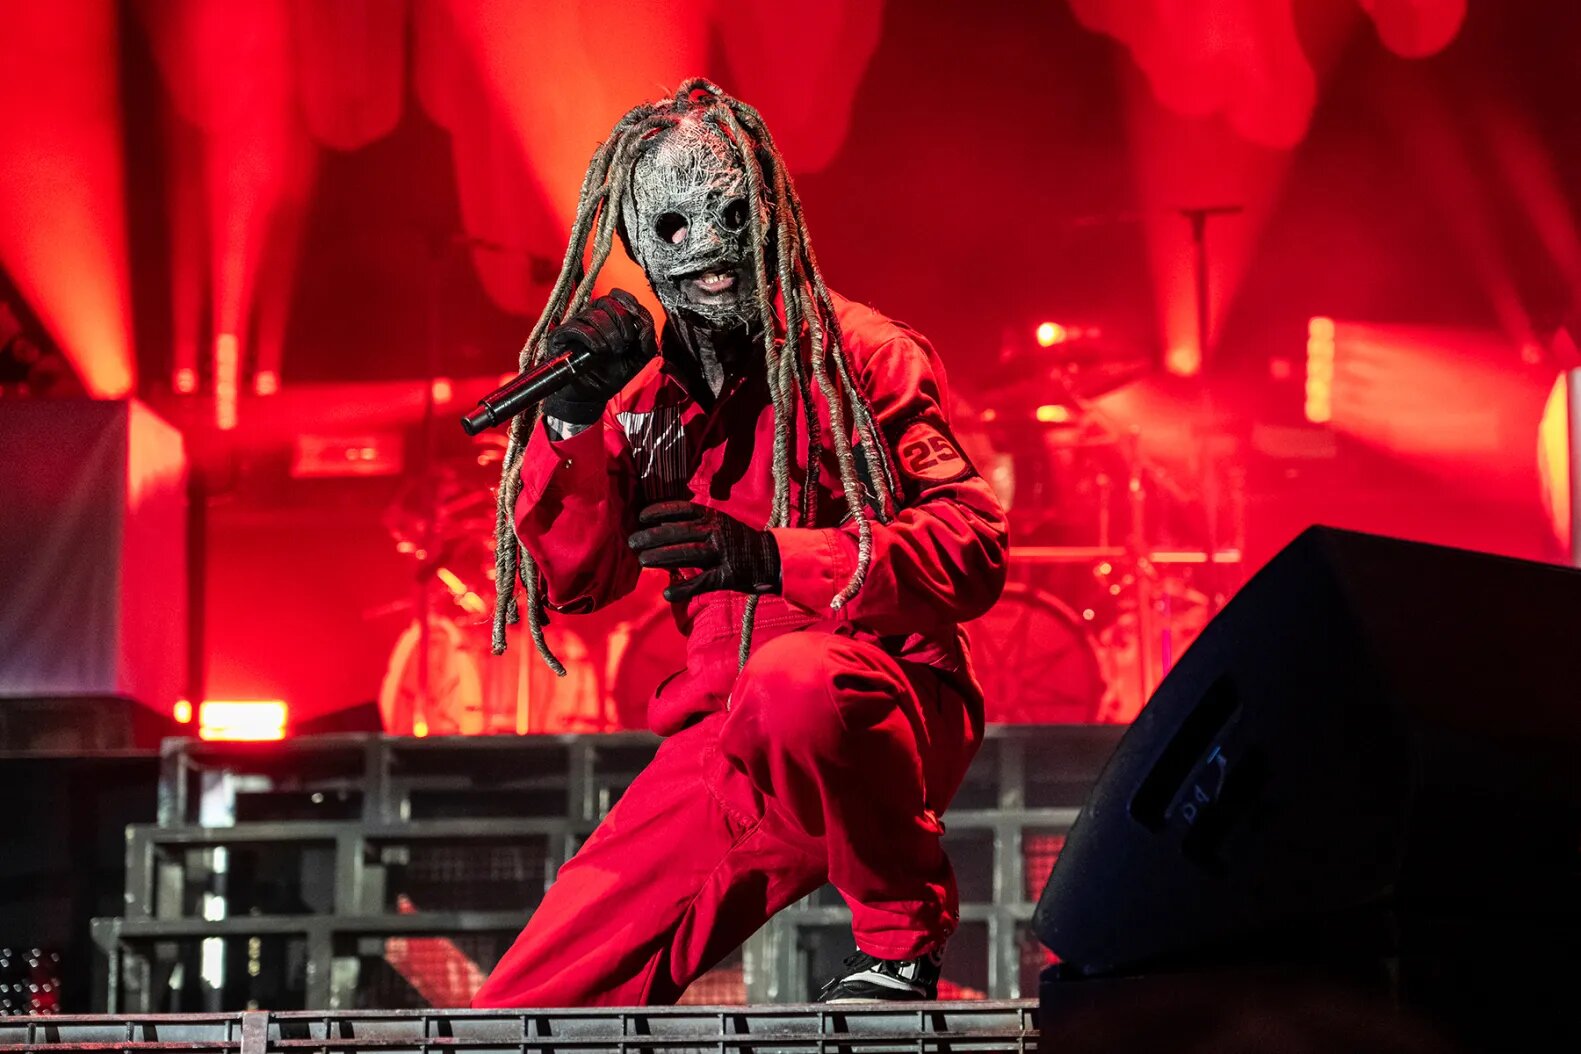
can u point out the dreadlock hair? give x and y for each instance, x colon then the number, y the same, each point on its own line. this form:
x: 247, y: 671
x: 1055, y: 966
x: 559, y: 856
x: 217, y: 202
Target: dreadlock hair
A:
x: 803, y: 353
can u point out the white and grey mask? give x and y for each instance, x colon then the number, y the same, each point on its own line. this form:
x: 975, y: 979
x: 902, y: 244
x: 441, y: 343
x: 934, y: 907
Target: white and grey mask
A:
x: 687, y: 225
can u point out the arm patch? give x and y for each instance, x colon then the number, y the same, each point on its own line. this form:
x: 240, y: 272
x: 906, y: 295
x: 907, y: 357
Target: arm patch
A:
x: 926, y: 454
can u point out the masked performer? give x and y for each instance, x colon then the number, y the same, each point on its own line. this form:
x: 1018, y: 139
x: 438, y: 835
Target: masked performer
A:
x: 788, y: 460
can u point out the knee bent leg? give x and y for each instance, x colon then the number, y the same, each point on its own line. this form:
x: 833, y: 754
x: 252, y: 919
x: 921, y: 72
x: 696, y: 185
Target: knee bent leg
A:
x: 811, y: 689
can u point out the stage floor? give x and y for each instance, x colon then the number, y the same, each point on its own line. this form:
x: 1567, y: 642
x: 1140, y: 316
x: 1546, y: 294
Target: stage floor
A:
x: 953, y: 1026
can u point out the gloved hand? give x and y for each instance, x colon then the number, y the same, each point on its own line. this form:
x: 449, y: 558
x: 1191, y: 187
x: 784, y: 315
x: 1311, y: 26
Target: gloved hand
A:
x: 619, y: 332
x: 730, y: 555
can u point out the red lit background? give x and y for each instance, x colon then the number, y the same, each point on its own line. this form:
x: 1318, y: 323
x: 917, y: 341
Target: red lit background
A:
x: 274, y: 220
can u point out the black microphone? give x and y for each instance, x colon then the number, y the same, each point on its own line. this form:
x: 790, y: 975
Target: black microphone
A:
x: 525, y: 389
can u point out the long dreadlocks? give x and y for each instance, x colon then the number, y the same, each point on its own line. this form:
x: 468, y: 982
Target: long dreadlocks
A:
x: 809, y: 325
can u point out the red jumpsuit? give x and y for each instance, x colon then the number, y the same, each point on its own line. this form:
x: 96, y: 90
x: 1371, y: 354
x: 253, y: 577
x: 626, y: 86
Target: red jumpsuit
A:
x: 829, y: 756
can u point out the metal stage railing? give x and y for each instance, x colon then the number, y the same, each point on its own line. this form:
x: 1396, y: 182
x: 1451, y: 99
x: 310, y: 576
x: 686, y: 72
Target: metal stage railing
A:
x: 1005, y: 1026
x: 349, y: 873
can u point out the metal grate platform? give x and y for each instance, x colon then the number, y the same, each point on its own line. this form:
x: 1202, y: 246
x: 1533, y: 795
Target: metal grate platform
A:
x: 917, y: 1027
x: 345, y: 873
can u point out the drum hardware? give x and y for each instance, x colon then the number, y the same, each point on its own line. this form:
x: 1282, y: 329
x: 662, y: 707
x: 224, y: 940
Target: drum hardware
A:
x: 1141, y: 478
x: 1035, y: 660
x: 1145, y: 574
x: 1089, y: 496
x: 439, y: 695
x: 1162, y: 612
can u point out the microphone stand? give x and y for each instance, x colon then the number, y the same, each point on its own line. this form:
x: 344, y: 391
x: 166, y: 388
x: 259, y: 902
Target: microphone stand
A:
x: 1198, y: 218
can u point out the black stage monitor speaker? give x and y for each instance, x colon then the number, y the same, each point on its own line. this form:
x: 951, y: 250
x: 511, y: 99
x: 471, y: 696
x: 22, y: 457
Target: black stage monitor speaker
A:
x: 1373, y: 751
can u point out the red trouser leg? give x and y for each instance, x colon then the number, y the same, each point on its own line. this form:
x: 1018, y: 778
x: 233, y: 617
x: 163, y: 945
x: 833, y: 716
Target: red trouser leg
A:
x: 825, y: 766
x: 859, y: 753
x: 668, y: 885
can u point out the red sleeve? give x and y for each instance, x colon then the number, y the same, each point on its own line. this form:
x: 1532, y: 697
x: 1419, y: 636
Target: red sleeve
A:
x: 573, y: 515
x: 942, y: 559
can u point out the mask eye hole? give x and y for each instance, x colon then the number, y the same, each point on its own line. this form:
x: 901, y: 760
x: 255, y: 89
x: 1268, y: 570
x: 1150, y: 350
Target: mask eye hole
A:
x: 734, y: 215
x: 671, y: 227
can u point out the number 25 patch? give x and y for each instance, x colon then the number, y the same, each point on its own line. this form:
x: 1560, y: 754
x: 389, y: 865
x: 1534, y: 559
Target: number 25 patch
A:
x: 928, y: 453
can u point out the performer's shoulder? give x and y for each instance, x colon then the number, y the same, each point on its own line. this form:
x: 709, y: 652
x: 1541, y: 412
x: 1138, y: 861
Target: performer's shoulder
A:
x: 864, y: 329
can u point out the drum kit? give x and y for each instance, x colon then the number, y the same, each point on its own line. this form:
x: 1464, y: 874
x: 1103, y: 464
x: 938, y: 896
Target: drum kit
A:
x: 441, y: 678
x: 1115, y: 564
x: 1111, y: 573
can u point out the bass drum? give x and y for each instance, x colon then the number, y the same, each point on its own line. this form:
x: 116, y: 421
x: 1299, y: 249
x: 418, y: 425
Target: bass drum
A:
x: 472, y: 692
x: 454, y: 705
x: 1035, y: 661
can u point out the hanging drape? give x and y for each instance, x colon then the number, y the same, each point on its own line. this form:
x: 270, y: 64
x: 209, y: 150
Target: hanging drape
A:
x: 525, y: 88
x: 1243, y: 58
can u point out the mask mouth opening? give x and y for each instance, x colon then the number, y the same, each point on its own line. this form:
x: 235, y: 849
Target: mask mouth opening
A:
x: 715, y: 285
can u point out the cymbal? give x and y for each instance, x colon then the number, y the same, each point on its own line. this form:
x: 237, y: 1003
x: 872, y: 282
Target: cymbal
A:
x: 1081, y: 353
x: 1065, y: 381
x: 1094, y: 381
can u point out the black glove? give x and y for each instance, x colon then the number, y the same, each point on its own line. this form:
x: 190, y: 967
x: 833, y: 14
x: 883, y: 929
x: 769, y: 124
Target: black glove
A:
x: 619, y: 332
x: 729, y: 554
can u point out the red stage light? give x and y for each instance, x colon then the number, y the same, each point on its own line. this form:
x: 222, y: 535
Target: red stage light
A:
x: 242, y: 719
x: 1051, y: 333
x: 182, y: 712
x: 1184, y: 361
x: 1320, y: 370
x: 227, y: 367
x: 266, y: 383
x: 1443, y: 400
x: 1553, y: 457
x: 444, y: 391
x: 1053, y: 414
x: 63, y: 231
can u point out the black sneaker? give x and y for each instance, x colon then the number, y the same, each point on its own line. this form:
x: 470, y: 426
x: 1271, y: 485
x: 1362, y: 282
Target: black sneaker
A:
x: 867, y: 979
